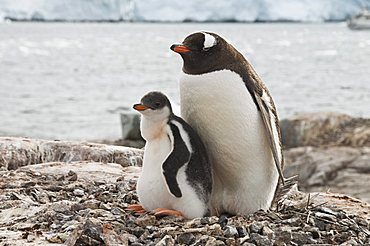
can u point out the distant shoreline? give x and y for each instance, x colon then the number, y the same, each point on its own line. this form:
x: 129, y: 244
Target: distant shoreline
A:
x: 7, y: 20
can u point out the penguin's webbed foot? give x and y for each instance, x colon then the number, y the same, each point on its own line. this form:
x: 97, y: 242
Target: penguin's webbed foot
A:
x: 167, y: 212
x: 137, y: 208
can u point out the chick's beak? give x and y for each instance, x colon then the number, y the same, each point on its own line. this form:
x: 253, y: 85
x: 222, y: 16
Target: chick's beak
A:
x: 179, y: 48
x: 140, y: 107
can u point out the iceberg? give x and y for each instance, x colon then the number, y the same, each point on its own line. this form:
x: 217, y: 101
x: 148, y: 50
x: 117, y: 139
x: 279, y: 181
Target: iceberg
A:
x: 180, y: 11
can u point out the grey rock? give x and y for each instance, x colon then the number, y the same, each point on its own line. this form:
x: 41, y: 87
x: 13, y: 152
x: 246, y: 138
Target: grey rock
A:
x: 244, y: 239
x: 115, y: 211
x: 242, y: 231
x: 223, y: 220
x: 256, y: 227
x: 230, y: 231
x: 186, y: 238
x: 260, y: 240
x: 78, y: 192
x: 343, y: 169
x: 145, y: 220
x: 31, y: 238
x: 302, y: 238
x: 266, y: 231
x: 314, y: 129
x: 166, y: 241
x: 130, y: 123
x: 137, y: 244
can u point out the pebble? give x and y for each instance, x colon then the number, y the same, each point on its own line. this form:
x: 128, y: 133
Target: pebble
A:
x: 166, y: 241
x: 78, y: 192
x: 266, y: 231
x: 260, y: 240
x: 223, y: 220
x: 242, y: 231
x: 145, y: 220
x: 230, y: 231
x: 65, y: 214
x: 186, y: 238
x: 256, y: 227
x: 115, y: 211
x: 30, y: 238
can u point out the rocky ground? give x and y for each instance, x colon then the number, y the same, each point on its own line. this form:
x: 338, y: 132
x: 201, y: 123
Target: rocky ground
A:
x: 55, y: 192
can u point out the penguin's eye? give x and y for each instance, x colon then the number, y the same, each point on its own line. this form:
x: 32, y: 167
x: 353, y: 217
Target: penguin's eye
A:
x: 157, y: 104
x: 206, y: 49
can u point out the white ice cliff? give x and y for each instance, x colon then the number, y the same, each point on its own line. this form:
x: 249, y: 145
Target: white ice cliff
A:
x: 175, y: 10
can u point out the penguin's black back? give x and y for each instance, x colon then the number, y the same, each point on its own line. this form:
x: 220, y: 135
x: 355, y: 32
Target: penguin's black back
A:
x: 198, y: 171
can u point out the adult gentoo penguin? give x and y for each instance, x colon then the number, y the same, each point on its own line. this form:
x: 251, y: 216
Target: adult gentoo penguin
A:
x: 176, y: 178
x: 226, y: 102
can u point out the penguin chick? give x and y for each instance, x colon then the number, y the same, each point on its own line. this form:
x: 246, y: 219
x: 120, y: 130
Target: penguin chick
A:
x: 176, y: 174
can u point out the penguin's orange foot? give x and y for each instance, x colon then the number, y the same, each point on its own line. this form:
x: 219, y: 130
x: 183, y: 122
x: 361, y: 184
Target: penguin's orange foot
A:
x: 137, y: 208
x: 167, y: 212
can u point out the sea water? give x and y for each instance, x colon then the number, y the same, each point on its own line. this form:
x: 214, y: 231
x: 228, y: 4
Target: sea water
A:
x: 71, y: 80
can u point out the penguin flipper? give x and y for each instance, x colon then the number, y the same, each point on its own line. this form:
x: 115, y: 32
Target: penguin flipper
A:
x: 266, y: 111
x: 178, y: 157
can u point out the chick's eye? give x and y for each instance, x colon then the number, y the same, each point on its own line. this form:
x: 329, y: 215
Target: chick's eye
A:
x: 157, y: 104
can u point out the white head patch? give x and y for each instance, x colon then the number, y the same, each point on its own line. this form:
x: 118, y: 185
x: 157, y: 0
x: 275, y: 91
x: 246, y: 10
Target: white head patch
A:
x: 209, y: 40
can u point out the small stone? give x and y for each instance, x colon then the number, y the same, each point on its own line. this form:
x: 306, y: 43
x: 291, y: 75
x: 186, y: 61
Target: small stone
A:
x: 248, y: 244
x: 244, y: 239
x: 230, y: 231
x: 78, y: 192
x: 186, y: 238
x: 302, y: 238
x: 266, y: 231
x: 31, y: 238
x: 208, y: 220
x: 325, y: 216
x: 202, y: 240
x: 105, y: 206
x: 60, y: 177
x: 211, y: 241
x: 260, y: 240
x: 166, y: 241
x: 284, y: 236
x: 343, y: 236
x: 223, y: 220
x: 242, y: 231
x: 91, y: 204
x: 354, y: 227
x: 351, y: 242
x: 61, y: 207
x: 315, y: 232
x: 115, y: 211
x: 193, y: 223
x: 145, y: 220
x: 256, y: 227
x: 71, y: 176
x: 137, y: 231
x: 57, y: 238
x: 229, y: 241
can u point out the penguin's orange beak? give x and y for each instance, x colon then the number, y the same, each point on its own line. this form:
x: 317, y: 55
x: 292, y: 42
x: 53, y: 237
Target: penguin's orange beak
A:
x: 179, y: 48
x: 140, y: 107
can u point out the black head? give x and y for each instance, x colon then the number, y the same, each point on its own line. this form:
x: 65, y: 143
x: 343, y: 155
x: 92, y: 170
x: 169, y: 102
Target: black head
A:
x: 204, y: 52
x: 153, y: 101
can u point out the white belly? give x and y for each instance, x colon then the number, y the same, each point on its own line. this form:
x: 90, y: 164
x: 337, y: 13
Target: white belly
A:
x: 220, y: 108
x: 151, y: 187
x: 153, y: 191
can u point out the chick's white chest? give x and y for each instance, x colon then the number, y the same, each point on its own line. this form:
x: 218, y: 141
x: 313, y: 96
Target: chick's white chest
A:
x: 151, y: 187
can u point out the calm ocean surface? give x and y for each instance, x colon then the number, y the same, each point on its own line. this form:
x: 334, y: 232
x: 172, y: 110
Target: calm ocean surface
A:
x: 70, y: 81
